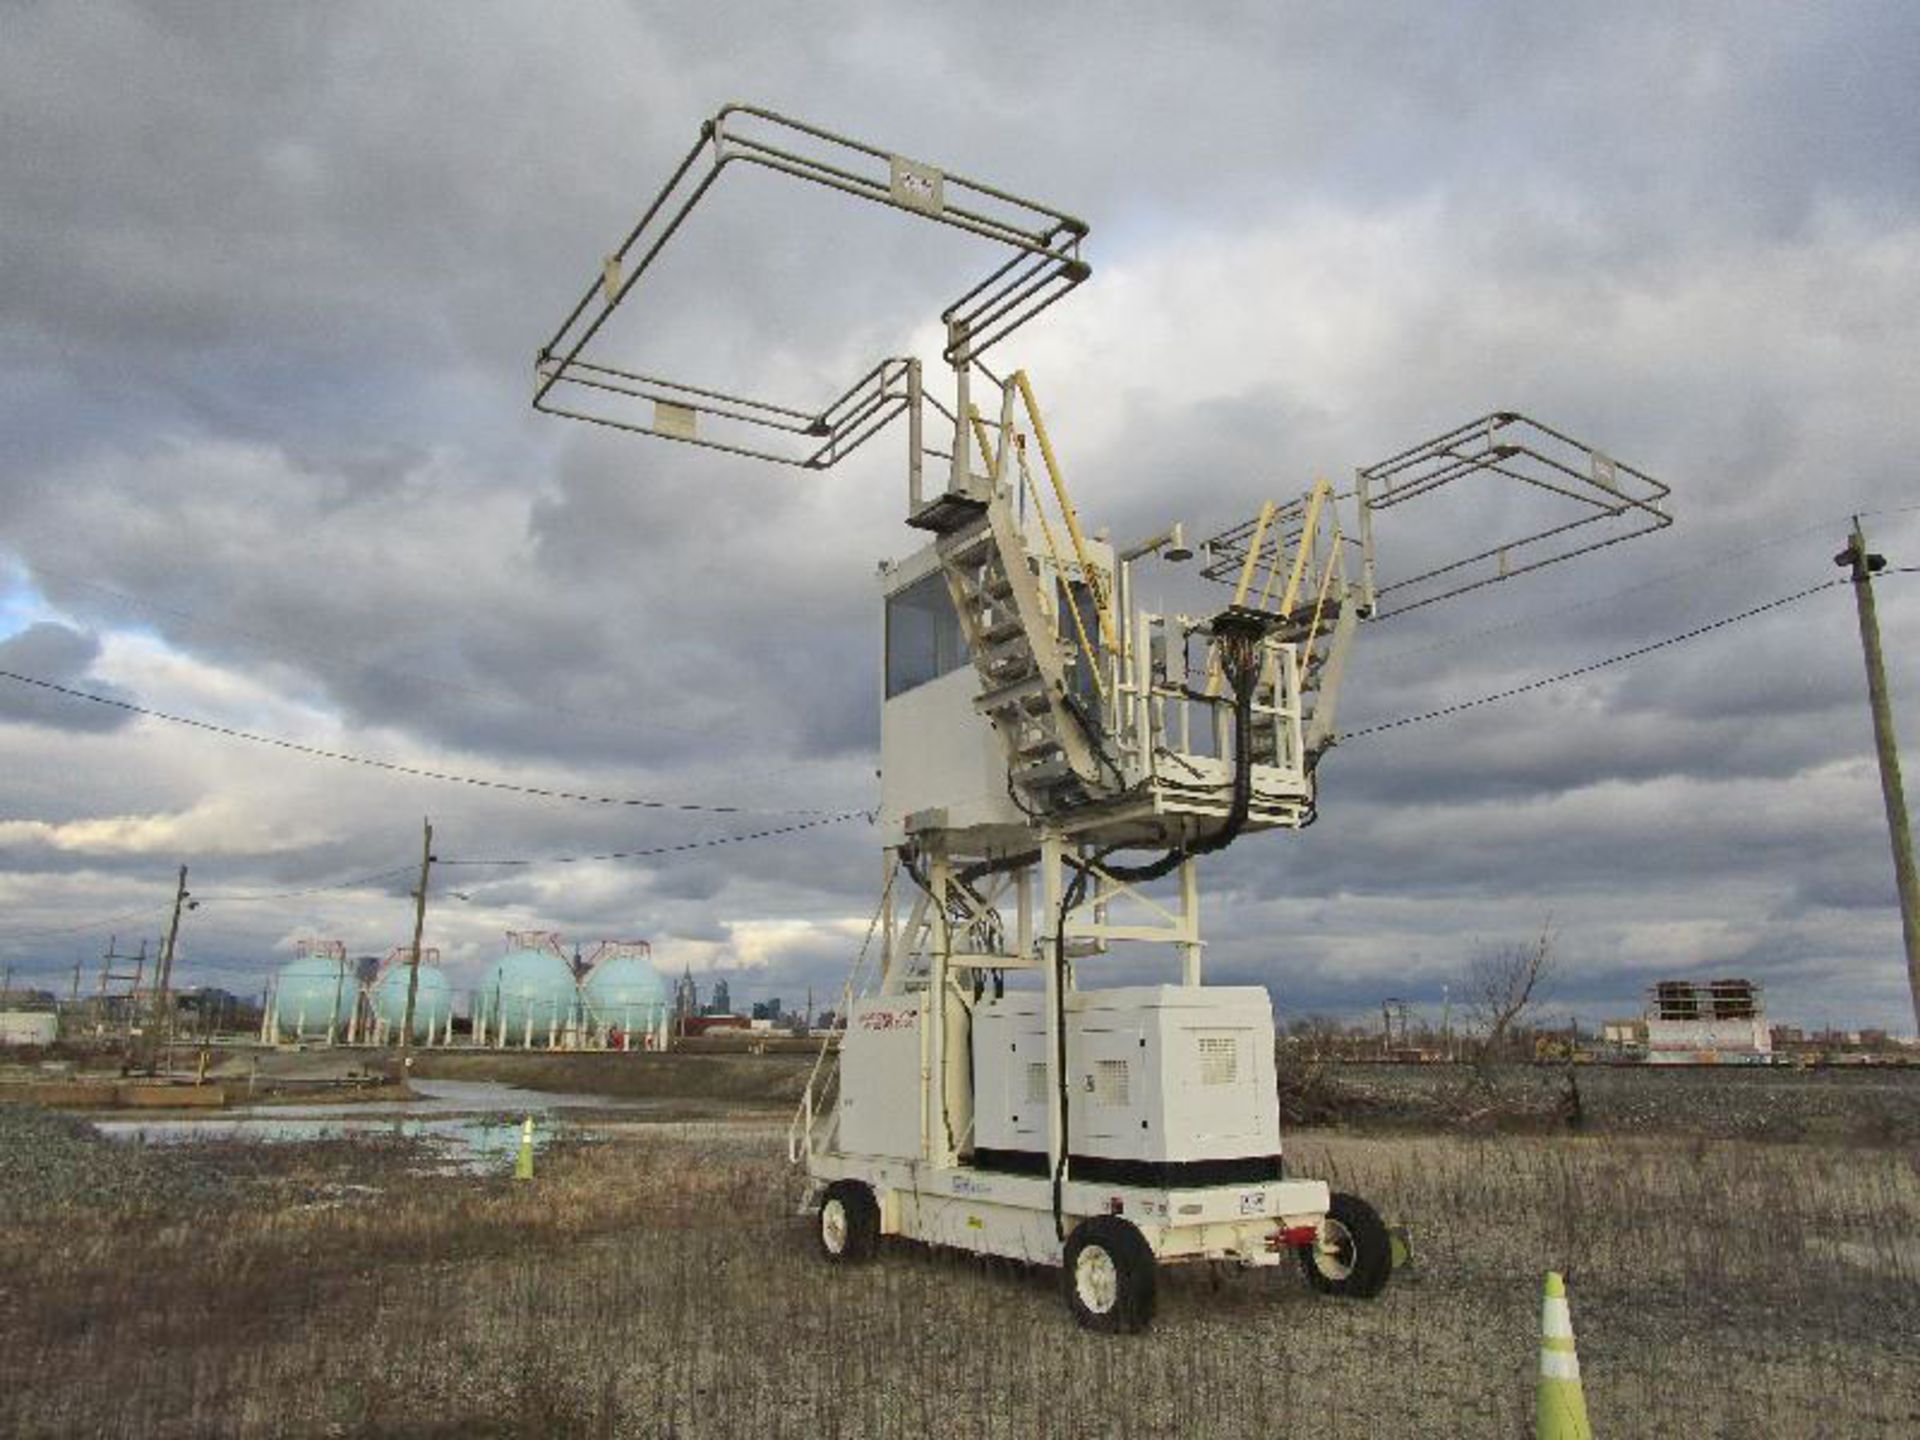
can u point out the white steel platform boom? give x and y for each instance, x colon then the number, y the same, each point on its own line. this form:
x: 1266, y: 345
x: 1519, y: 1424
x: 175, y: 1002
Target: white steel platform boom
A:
x: 1037, y: 728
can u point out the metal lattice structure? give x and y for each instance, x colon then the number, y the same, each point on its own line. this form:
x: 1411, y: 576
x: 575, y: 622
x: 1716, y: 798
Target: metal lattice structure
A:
x: 1598, y: 500
x: 1036, y: 725
x: 575, y: 380
x: 617, y: 949
x: 401, y: 956
x: 547, y: 940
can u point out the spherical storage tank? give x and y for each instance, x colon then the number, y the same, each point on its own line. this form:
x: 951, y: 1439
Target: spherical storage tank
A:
x: 432, y: 1001
x: 624, y: 992
x: 315, y: 993
x: 529, y: 984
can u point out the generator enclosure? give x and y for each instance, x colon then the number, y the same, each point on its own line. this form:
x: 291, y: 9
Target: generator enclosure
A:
x: 883, y: 1064
x: 1166, y: 1085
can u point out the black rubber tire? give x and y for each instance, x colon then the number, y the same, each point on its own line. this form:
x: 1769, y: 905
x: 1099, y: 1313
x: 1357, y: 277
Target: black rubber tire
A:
x: 1116, y: 1300
x: 1363, y: 1260
x: 847, y: 1224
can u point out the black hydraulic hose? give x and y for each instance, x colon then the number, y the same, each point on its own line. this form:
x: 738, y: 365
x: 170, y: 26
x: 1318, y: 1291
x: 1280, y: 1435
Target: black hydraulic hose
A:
x: 1075, y: 892
x: 1244, y: 676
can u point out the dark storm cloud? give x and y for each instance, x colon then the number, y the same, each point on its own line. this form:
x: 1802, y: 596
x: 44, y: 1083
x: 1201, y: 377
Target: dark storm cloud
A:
x: 275, y: 277
x: 62, y: 655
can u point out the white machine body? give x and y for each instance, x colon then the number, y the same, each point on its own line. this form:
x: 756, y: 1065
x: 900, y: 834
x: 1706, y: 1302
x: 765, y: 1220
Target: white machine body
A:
x: 1056, y: 761
x: 1162, y: 1081
x: 1172, y: 1120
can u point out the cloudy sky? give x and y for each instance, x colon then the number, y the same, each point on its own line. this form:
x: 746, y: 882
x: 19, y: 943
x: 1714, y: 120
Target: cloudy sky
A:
x: 271, y: 284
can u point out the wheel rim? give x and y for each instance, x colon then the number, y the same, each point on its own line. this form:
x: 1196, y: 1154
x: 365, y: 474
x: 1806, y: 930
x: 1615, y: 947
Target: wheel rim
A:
x: 1096, y: 1280
x: 1333, y: 1251
x: 833, y: 1227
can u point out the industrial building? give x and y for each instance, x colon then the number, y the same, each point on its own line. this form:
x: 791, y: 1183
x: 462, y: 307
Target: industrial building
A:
x: 532, y: 997
x: 1707, y: 1022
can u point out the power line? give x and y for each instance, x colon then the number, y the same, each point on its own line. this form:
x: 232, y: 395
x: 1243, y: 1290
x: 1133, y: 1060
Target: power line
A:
x: 717, y: 840
x: 1707, y: 562
x: 841, y: 817
x: 391, y: 766
x: 1574, y: 674
x: 99, y: 924
x: 330, y: 656
x: 236, y: 898
x: 250, y: 897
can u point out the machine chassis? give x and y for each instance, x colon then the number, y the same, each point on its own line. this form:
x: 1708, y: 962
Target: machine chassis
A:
x: 990, y: 1212
x: 1109, y: 739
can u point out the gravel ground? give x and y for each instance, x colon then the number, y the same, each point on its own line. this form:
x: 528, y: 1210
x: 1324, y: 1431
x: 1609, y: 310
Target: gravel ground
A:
x: 50, y: 1164
x: 55, y: 1166
x: 658, y: 1283
x: 1873, y: 1107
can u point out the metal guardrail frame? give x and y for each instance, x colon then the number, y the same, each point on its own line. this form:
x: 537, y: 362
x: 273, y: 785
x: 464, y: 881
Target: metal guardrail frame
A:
x: 1509, y: 444
x: 1045, y: 265
x: 1624, y: 501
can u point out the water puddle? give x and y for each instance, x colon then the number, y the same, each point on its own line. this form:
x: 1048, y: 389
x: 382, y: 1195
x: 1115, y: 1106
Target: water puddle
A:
x: 466, y: 1125
x: 451, y: 1097
x: 461, y: 1143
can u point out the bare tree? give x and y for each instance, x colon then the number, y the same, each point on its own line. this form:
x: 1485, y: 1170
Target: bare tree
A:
x: 1503, y: 985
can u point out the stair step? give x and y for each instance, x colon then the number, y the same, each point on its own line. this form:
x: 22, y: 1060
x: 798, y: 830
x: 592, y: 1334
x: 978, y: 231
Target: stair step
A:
x: 1028, y: 693
x: 966, y: 543
x: 1007, y: 629
x: 979, y: 583
x: 991, y: 615
x: 1045, y: 774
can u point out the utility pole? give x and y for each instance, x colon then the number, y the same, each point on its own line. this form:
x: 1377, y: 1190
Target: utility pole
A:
x: 6, y: 988
x: 419, y: 927
x: 162, y: 990
x: 1861, y: 564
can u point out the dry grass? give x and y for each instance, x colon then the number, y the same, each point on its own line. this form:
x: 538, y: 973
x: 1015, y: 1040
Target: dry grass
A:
x: 658, y: 1285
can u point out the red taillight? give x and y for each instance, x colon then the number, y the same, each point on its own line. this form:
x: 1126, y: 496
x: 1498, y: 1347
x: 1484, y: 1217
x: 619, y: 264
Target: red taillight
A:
x: 1294, y: 1237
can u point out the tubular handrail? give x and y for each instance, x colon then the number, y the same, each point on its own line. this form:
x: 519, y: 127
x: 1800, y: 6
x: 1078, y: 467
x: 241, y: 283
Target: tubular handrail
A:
x: 1060, y: 568
x: 800, y: 1130
x: 1318, y: 497
x: 1045, y: 265
x: 1103, y: 606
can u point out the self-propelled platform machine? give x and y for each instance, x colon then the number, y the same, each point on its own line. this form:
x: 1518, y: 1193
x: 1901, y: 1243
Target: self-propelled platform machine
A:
x: 1057, y: 761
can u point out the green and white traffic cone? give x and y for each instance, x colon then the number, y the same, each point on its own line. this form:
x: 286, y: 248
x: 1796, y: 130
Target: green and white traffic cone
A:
x: 523, y: 1163
x: 1561, y: 1412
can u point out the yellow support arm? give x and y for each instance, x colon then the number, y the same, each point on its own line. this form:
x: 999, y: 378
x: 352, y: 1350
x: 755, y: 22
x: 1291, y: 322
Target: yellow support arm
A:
x: 1321, y: 490
x: 987, y: 452
x: 1053, y: 554
x: 1245, y: 583
x: 1102, y: 605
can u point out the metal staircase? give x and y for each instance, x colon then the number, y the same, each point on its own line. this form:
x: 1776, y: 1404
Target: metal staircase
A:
x: 1051, y: 758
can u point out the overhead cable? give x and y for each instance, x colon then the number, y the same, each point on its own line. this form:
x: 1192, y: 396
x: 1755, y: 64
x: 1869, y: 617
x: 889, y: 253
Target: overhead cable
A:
x: 99, y: 924
x: 1588, y: 669
x: 249, y: 897
x: 1688, y: 571
x: 394, y: 767
x: 339, y: 659
x: 839, y: 819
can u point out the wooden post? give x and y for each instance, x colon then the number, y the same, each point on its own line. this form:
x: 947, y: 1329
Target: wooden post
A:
x: 419, y: 926
x: 1861, y: 564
